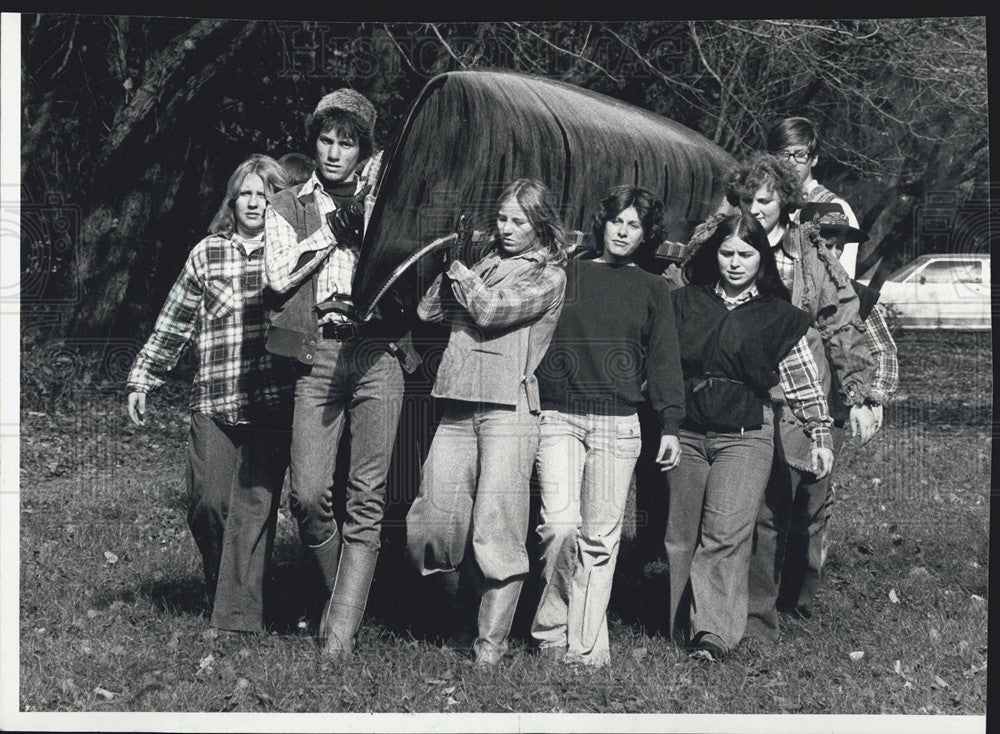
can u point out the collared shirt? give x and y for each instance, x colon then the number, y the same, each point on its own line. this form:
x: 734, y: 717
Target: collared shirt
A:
x: 743, y: 297
x: 497, y: 308
x: 784, y: 259
x: 217, y: 302
x: 883, y: 349
x: 798, y: 377
x: 336, y: 262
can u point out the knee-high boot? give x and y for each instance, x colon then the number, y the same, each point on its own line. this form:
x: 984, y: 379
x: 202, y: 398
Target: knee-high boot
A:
x: 346, y: 606
x: 496, y: 614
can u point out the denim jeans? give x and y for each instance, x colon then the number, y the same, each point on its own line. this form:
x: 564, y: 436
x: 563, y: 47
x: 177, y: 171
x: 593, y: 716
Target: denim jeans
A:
x: 474, y: 491
x: 715, y: 491
x: 585, y: 464
x: 362, y: 382
x: 234, y: 478
x: 791, y: 543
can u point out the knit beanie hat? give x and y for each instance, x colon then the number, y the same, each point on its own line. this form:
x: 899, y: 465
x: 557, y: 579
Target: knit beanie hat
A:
x: 350, y: 101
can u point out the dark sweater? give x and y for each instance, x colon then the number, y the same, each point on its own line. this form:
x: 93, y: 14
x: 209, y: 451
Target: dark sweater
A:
x: 616, y: 327
x: 743, y: 347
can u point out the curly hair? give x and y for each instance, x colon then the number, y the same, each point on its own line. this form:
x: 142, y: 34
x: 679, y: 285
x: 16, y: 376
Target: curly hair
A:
x: 647, y: 206
x: 539, y: 206
x: 764, y: 169
x: 273, y: 176
x: 702, y: 265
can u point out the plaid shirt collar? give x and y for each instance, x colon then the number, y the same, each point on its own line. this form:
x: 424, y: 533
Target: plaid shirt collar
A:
x: 312, y: 183
x: 743, y: 297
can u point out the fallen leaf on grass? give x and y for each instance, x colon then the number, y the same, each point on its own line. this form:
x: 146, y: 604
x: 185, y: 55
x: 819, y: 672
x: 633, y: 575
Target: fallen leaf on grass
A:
x: 451, y: 702
x: 206, y: 661
x: 977, y: 599
x: 897, y: 668
x: 265, y: 700
x: 918, y: 572
x: 175, y: 640
x: 110, y: 557
x: 91, y: 613
x: 787, y: 704
x: 210, y: 634
x: 856, y: 655
x: 639, y: 653
x: 893, y: 596
x: 940, y: 682
x: 973, y: 670
x: 934, y: 635
x: 105, y: 693
x: 242, y: 684
x: 449, y: 690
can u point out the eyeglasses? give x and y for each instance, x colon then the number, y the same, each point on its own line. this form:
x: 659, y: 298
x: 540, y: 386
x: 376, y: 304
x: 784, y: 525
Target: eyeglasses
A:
x: 799, y: 156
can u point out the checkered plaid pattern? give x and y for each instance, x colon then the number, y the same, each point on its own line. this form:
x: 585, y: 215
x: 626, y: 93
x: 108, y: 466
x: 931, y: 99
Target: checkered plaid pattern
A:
x: 336, y: 263
x: 500, y: 308
x: 799, y: 380
x: 883, y: 349
x: 217, y: 304
x: 785, y: 263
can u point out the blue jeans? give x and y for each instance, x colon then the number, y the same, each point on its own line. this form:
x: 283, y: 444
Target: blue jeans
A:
x: 234, y: 478
x: 715, y: 491
x: 790, y: 545
x: 361, y: 381
x: 585, y: 464
x: 474, y: 491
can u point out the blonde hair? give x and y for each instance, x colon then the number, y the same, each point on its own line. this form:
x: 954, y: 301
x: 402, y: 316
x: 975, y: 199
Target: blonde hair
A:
x: 270, y: 172
x: 539, y: 206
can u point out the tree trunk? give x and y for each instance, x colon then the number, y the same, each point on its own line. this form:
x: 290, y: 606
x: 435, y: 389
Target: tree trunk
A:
x: 130, y: 193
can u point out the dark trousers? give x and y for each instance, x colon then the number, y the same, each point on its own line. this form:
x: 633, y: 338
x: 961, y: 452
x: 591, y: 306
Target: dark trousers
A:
x: 789, y: 544
x: 234, y: 478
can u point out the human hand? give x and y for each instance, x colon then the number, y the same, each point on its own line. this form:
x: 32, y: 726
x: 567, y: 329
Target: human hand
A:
x: 459, y: 249
x: 877, y: 411
x: 137, y: 407
x: 863, y: 422
x: 822, y: 462
x: 669, y: 453
x: 346, y: 223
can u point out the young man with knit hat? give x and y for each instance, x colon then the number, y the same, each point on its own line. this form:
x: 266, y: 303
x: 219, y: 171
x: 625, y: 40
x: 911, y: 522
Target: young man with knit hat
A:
x: 347, y: 371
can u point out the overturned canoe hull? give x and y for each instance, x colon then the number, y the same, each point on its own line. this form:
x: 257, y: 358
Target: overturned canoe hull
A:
x: 472, y: 132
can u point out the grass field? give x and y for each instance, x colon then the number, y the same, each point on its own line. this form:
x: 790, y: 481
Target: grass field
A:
x: 113, y: 616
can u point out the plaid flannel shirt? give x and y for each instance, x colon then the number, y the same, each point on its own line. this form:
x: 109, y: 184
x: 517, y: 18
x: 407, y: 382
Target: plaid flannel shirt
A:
x: 501, y: 308
x: 883, y: 349
x: 799, y: 380
x: 336, y: 262
x: 217, y: 303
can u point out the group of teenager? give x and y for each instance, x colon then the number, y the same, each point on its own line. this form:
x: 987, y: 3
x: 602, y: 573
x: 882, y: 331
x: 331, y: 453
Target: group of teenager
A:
x: 753, y: 358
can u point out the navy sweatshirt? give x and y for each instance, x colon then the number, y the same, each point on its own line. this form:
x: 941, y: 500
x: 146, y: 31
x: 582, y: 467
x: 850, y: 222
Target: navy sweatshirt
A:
x: 616, y: 328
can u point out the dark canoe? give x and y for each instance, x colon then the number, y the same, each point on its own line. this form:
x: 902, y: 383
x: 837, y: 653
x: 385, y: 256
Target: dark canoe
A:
x: 471, y: 132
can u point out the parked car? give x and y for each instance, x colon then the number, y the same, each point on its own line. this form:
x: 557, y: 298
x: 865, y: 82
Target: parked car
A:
x: 940, y: 292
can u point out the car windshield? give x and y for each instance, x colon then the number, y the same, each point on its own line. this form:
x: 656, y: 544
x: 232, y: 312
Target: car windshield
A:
x: 941, y: 271
x: 904, y: 272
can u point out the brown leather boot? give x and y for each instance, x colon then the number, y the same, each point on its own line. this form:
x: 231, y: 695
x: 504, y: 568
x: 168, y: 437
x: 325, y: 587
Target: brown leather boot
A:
x: 346, y: 607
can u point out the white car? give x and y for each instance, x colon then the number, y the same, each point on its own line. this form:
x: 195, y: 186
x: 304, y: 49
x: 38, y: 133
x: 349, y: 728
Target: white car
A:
x: 940, y: 292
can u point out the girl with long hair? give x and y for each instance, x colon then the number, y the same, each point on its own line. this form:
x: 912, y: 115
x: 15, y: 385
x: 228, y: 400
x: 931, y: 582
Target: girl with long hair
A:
x: 470, y: 518
x: 740, y: 336
x: 240, y: 402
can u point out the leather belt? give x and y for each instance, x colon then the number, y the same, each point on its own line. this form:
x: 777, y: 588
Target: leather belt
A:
x: 342, y: 331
